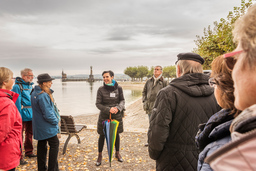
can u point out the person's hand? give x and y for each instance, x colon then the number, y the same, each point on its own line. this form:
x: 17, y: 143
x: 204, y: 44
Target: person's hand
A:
x: 113, y: 110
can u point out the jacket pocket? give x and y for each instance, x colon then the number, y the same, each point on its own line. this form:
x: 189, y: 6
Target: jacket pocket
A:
x: 26, y: 114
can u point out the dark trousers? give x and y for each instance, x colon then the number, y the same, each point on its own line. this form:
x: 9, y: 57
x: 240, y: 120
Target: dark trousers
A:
x: 102, y: 139
x: 53, y: 154
x: 28, y: 144
x: 12, y: 169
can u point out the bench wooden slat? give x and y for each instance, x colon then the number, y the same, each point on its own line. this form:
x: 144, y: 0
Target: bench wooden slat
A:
x: 68, y: 127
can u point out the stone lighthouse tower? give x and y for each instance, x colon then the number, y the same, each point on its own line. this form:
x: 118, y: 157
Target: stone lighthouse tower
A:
x: 91, y: 79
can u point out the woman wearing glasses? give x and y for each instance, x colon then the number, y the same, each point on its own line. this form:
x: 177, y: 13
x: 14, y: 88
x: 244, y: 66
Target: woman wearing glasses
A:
x: 10, y: 123
x: 240, y: 154
x: 215, y: 133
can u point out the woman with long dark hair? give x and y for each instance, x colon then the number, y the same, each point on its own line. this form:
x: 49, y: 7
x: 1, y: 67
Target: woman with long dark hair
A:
x: 110, y: 99
x: 45, y: 123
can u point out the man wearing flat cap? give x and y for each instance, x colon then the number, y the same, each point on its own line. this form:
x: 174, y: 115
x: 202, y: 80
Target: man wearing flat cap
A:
x: 178, y: 110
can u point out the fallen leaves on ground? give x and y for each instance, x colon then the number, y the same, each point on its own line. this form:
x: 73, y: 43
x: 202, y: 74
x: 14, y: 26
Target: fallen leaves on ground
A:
x: 82, y: 157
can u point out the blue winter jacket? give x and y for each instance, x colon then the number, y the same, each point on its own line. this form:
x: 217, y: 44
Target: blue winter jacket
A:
x: 45, y: 121
x: 23, y: 102
x: 214, y: 135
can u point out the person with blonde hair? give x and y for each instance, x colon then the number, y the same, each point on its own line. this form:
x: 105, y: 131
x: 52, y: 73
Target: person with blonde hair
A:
x: 240, y: 153
x: 178, y: 110
x: 45, y: 123
x: 23, y: 86
x: 10, y: 123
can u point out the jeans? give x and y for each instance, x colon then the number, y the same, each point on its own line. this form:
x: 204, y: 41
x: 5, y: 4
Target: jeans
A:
x: 53, y: 154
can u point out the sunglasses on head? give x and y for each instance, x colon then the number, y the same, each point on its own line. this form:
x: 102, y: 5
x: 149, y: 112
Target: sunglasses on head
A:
x: 230, y: 59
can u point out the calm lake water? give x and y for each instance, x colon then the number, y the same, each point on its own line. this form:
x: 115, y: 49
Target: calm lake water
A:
x: 78, y: 98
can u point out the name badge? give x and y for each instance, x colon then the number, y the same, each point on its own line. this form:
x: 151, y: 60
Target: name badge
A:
x: 112, y: 95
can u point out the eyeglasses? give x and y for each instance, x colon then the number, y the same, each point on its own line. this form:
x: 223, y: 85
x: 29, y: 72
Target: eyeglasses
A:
x: 157, y: 69
x: 212, y: 82
x: 230, y: 59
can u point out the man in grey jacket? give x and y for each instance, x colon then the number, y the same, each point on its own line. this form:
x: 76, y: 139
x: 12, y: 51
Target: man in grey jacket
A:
x: 178, y: 110
x: 150, y: 90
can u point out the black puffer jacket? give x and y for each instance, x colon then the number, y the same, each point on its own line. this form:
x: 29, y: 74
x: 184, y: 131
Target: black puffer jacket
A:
x: 179, y: 108
x: 104, y: 102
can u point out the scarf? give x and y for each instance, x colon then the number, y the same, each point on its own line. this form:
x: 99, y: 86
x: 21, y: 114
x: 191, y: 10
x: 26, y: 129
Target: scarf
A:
x: 155, y: 79
x: 111, y: 84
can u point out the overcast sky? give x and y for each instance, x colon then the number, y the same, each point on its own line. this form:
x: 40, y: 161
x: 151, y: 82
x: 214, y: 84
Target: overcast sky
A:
x: 51, y: 35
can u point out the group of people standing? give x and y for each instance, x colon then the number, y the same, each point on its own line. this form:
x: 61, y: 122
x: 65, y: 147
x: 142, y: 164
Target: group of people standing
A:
x: 202, y: 123
x: 23, y: 108
x: 196, y: 122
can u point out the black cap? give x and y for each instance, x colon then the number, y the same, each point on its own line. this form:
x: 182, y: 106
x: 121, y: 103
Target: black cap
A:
x: 44, y: 78
x: 190, y: 56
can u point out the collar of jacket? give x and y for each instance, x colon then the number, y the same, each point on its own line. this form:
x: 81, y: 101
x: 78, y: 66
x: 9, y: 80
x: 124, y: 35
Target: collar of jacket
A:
x: 203, y: 136
x: 10, y: 94
x: 245, y: 121
x: 38, y: 89
x: 160, y: 79
x: 19, y: 80
x: 110, y: 88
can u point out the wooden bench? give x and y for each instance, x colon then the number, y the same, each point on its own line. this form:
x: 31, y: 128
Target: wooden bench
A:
x: 68, y: 127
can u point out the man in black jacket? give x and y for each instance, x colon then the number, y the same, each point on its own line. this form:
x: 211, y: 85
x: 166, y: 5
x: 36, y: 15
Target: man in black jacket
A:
x: 179, y: 108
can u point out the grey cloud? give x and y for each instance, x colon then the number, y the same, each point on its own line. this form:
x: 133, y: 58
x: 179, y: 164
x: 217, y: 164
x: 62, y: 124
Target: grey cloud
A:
x: 76, y: 34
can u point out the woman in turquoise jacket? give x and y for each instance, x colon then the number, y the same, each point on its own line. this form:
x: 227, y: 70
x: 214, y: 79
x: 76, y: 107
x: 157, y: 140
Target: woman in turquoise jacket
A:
x: 45, y: 123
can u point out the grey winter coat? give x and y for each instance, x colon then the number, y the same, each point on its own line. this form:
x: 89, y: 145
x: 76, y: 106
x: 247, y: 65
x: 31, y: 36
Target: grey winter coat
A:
x: 150, y: 91
x: 179, y: 108
x: 104, y: 102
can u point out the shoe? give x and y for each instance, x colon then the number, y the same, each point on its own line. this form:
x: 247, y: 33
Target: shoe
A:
x: 23, y: 162
x: 118, y: 156
x: 31, y: 155
x: 146, y: 145
x: 98, y: 163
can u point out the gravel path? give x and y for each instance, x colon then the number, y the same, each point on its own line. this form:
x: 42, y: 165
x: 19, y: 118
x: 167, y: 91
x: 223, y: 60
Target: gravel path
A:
x: 83, y: 156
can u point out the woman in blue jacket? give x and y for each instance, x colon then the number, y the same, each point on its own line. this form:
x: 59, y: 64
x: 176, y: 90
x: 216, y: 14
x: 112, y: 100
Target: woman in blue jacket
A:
x: 215, y: 133
x: 45, y: 123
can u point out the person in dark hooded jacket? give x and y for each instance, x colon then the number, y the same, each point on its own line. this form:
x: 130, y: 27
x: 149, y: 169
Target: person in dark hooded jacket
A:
x: 179, y: 108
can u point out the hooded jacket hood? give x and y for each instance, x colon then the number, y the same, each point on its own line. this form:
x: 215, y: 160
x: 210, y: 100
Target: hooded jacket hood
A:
x: 194, y: 84
x: 19, y: 80
x: 9, y: 94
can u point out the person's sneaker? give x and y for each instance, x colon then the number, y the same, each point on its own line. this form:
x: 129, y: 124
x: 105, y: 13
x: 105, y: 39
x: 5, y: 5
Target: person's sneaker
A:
x: 31, y: 155
x: 23, y: 162
x: 146, y: 144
